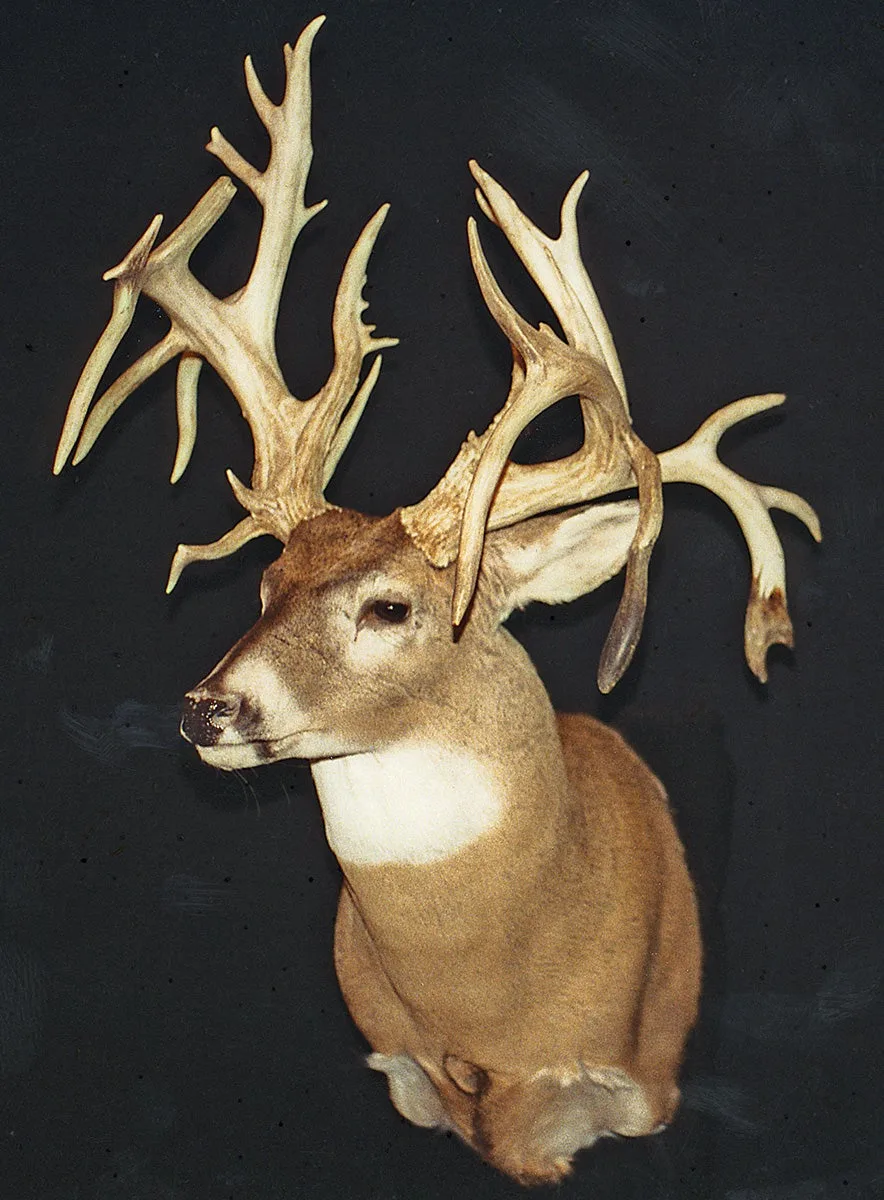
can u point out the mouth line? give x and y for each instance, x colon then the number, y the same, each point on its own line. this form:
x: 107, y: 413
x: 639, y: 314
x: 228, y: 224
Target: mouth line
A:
x: 286, y: 737
x: 267, y: 747
x: 264, y: 743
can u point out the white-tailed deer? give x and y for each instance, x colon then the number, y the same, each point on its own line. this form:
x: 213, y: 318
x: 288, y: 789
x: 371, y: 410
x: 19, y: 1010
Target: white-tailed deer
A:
x: 517, y: 935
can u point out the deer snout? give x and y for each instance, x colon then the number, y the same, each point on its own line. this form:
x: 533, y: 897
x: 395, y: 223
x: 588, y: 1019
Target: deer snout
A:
x: 205, y: 718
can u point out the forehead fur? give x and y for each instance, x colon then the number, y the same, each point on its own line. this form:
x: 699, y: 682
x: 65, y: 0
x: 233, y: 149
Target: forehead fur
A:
x: 340, y: 543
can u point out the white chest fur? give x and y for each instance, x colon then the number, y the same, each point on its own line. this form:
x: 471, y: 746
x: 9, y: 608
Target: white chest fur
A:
x: 413, y: 803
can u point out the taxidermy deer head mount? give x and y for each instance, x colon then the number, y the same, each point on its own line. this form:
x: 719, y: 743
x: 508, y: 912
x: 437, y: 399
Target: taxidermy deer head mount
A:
x: 517, y: 936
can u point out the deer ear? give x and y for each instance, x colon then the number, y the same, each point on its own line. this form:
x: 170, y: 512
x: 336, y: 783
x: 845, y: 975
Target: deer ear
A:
x: 557, y: 558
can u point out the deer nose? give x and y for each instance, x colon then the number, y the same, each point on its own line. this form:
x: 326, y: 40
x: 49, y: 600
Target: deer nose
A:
x: 204, y: 718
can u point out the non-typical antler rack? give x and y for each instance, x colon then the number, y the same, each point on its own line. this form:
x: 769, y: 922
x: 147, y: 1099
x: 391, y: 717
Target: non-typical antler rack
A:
x: 298, y: 442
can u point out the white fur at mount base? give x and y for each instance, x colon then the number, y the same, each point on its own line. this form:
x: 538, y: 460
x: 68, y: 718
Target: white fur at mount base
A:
x: 415, y: 803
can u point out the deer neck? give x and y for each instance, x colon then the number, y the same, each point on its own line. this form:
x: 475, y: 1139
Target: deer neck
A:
x: 479, y: 779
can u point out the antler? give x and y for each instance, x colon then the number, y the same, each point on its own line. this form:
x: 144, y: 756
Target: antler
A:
x: 297, y: 442
x: 483, y: 490
x: 545, y: 370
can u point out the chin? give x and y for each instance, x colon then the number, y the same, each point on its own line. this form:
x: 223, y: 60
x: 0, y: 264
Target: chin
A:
x: 234, y: 757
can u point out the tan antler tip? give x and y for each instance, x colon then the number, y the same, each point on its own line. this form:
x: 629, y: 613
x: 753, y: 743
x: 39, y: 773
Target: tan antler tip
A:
x: 306, y: 36
x: 626, y: 628
x: 569, y: 204
x: 230, y: 542
x: 138, y: 255
x: 244, y: 494
x: 179, y: 562
x: 464, y: 584
x: 796, y: 506
x: 767, y: 625
x: 189, y: 368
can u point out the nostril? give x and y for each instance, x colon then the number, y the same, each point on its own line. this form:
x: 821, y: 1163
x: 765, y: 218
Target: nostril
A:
x: 204, y: 718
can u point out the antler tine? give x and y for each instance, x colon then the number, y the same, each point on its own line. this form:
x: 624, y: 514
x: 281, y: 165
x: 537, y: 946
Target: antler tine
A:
x: 556, y: 266
x: 325, y: 435
x: 280, y: 187
x: 128, y: 274
x: 349, y: 421
x: 236, y: 334
x: 247, y: 529
x: 186, y: 388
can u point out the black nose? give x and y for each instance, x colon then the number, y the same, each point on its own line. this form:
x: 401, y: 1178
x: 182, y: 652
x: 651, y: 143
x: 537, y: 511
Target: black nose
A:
x: 204, y: 718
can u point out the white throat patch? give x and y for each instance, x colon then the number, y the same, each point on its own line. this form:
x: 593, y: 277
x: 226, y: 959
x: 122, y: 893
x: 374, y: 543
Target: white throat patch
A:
x: 414, y: 803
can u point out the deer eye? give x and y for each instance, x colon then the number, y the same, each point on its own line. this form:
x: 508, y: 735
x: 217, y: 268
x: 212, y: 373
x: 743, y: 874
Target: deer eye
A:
x: 394, y: 612
x: 390, y: 612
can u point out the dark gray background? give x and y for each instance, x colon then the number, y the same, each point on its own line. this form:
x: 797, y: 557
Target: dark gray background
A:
x: 170, y: 1024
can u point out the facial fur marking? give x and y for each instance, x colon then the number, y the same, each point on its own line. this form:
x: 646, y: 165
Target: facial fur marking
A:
x: 414, y: 803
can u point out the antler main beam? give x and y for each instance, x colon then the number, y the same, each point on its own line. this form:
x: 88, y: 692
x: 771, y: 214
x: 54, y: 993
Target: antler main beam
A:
x: 297, y: 442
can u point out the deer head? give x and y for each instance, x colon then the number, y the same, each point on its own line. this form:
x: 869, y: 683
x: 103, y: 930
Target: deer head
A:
x: 363, y: 618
